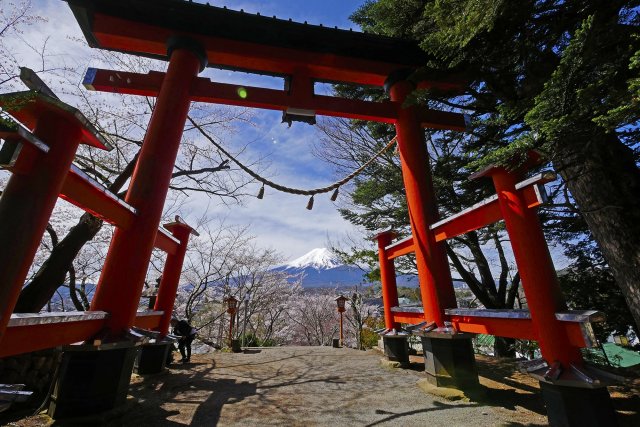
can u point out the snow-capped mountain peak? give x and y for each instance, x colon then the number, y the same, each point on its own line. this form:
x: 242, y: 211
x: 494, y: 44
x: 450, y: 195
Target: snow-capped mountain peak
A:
x: 319, y: 258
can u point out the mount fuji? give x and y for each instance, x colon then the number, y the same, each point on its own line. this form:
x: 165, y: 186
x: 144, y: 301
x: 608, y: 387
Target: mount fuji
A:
x: 319, y: 258
x: 320, y: 268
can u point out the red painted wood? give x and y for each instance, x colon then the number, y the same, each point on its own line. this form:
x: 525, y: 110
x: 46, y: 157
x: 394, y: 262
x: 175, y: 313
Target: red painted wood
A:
x: 150, y: 322
x: 119, y: 34
x: 78, y: 191
x: 35, y: 106
x: 28, y: 200
x: 171, y: 275
x: 514, y: 328
x: 510, y: 328
x: 408, y: 317
x: 404, y: 247
x: 25, y: 339
x: 472, y: 220
x: 203, y: 90
x: 436, y: 286
x: 387, y: 279
x: 166, y: 244
x: 121, y: 282
x: 536, y: 269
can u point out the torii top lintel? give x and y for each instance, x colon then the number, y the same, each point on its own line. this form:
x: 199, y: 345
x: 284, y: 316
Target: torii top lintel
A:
x: 246, y: 42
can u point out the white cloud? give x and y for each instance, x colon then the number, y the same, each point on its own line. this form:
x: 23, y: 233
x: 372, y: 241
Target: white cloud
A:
x: 280, y: 220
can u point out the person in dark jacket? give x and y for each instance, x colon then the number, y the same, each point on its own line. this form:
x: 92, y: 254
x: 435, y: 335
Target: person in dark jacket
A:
x: 187, y: 334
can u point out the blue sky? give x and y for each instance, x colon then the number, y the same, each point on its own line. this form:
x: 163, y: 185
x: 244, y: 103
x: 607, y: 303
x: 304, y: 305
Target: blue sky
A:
x: 328, y: 13
x: 279, y: 220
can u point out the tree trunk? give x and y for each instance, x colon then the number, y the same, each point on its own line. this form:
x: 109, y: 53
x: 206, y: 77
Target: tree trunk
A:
x: 603, y: 177
x: 485, y: 290
x: 73, y: 292
x: 51, y: 275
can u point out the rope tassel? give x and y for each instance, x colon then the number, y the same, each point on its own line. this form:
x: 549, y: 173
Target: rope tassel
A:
x: 261, y: 192
x: 310, y: 204
x: 334, y: 196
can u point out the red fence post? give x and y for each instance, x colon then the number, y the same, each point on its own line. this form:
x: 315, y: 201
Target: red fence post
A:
x: 436, y: 286
x: 387, y: 279
x: 537, y: 272
x: 122, y: 279
x: 28, y: 200
x: 171, y: 275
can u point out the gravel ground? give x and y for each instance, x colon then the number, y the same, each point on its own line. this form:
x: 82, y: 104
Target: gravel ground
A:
x: 323, y: 386
x: 303, y: 386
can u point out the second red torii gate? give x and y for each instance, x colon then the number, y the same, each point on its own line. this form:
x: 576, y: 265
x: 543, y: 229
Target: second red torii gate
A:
x: 38, y: 178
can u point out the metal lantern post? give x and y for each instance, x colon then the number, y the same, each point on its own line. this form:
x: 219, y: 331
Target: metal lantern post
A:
x: 232, y: 307
x: 340, y: 301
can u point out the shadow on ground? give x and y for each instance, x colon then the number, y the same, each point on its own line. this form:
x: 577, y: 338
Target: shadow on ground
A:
x: 519, y: 390
x: 185, y: 387
x: 626, y: 401
x: 302, y: 386
x: 507, y: 387
x: 396, y: 417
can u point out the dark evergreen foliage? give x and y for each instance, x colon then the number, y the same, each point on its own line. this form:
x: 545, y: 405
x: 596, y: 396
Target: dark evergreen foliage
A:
x: 560, y: 77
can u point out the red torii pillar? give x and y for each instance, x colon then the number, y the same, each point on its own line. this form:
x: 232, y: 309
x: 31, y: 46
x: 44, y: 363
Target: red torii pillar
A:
x: 171, y: 275
x: 449, y: 361
x: 387, y: 279
x: 436, y: 287
x: 536, y: 269
x: 122, y: 279
x: 32, y: 191
x: 569, y: 401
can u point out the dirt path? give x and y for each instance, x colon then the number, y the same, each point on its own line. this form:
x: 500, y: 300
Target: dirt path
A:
x: 318, y: 386
x: 305, y: 386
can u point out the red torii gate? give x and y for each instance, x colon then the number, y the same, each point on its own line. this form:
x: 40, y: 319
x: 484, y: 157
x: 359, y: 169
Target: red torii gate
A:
x: 42, y: 172
x: 40, y: 156
x: 130, y: 26
x: 192, y: 35
x: 246, y: 42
